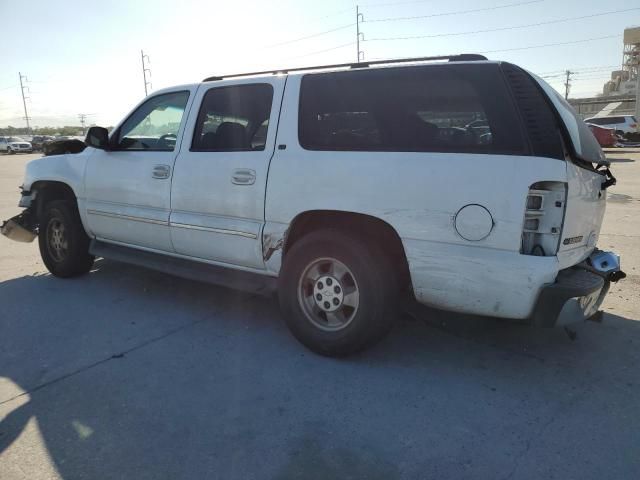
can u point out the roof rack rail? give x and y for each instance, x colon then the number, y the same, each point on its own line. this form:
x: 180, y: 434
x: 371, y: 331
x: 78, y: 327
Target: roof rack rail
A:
x: 463, y: 57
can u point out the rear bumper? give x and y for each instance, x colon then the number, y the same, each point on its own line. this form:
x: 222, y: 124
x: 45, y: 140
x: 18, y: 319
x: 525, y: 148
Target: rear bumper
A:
x: 578, y: 292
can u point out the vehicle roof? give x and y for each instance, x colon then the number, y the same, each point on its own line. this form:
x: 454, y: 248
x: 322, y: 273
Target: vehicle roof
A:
x: 363, y: 66
x: 463, y: 59
x: 608, y: 116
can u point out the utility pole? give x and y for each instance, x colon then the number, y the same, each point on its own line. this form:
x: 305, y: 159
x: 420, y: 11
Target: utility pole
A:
x: 567, y: 84
x: 82, y: 117
x: 145, y: 70
x: 359, y: 35
x: 24, y: 100
x: 638, y: 91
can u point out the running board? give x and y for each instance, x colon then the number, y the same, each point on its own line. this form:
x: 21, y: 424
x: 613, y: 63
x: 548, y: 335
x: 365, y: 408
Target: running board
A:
x: 190, y: 269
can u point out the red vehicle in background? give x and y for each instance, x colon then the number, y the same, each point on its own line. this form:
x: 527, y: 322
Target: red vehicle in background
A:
x: 606, y: 137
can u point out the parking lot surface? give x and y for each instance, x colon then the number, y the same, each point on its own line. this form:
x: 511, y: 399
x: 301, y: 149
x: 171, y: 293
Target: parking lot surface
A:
x: 130, y: 374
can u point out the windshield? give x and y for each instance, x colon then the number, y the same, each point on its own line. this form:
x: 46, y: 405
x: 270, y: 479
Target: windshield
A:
x: 16, y: 139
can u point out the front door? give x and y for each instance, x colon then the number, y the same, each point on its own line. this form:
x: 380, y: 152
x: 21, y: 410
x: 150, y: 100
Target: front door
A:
x: 217, y: 198
x: 128, y: 187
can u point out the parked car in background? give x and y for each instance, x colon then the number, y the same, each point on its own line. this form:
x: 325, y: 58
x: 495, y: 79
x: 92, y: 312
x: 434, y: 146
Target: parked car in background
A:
x: 61, y: 145
x: 12, y: 145
x: 606, y: 137
x: 621, y: 124
x: 38, y: 141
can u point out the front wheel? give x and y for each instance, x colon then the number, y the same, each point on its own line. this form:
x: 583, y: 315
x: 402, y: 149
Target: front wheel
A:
x: 337, y: 293
x: 64, y: 245
x: 10, y: 152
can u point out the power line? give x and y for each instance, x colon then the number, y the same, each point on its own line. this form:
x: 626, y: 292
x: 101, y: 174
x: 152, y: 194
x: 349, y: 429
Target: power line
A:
x: 387, y: 4
x: 522, y: 48
x: 580, y: 69
x: 592, y: 79
x: 314, y: 35
x: 551, y: 44
x: 324, y: 50
x: 458, y: 12
x: 334, y: 14
x: 500, y: 29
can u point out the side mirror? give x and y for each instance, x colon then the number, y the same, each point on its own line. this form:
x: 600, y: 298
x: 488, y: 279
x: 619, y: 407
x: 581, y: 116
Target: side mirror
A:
x: 97, y: 137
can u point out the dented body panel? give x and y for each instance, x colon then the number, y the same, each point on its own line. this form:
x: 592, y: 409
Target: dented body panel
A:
x: 67, y: 169
x: 20, y: 228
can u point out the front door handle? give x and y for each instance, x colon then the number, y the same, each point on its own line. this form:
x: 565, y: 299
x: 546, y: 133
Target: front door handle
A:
x: 161, y: 171
x: 243, y: 176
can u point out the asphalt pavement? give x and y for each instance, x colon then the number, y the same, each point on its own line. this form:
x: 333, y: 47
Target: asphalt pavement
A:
x: 130, y: 374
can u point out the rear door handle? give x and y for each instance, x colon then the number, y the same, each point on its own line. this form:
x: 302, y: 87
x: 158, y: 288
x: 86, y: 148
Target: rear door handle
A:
x: 243, y: 176
x: 161, y: 171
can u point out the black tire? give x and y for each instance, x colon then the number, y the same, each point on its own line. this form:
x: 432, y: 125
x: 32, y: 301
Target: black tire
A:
x: 10, y: 151
x: 375, y: 282
x: 72, y: 257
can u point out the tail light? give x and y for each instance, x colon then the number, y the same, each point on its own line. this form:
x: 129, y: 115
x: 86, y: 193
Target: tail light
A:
x: 543, y: 218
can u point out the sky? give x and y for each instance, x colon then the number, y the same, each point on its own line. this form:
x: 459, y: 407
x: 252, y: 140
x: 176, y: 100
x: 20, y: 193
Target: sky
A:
x: 84, y: 57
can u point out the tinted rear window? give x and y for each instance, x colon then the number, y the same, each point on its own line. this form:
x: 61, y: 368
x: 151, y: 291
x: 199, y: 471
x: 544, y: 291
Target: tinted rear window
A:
x: 437, y: 108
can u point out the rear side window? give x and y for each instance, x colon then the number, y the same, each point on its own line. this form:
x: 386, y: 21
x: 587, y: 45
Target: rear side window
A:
x: 436, y: 108
x: 233, y: 119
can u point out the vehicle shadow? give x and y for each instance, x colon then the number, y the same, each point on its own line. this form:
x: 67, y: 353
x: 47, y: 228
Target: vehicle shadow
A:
x: 133, y: 374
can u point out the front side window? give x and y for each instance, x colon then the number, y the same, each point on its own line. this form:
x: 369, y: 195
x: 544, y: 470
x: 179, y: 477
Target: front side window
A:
x: 451, y: 108
x: 233, y: 119
x: 154, y: 125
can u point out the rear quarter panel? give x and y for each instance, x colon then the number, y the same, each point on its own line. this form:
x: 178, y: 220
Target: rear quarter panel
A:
x: 419, y: 194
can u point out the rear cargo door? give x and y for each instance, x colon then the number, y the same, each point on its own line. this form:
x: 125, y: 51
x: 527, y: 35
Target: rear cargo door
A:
x: 586, y: 200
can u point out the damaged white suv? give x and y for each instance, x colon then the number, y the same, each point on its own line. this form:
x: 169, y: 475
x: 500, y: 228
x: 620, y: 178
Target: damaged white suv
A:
x: 465, y: 184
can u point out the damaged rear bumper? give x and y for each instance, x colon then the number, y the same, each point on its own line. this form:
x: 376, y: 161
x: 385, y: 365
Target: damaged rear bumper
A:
x: 578, y: 292
x: 20, y: 228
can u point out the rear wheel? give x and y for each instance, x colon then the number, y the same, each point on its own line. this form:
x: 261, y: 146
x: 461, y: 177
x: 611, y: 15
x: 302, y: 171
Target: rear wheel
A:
x: 337, y: 293
x: 64, y: 245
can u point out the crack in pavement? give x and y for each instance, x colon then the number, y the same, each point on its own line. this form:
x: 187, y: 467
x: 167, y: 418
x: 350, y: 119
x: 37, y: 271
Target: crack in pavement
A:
x: 109, y: 358
x: 560, y: 409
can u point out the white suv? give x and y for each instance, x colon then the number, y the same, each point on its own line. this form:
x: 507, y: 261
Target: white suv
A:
x: 468, y: 185
x: 622, y: 123
x: 12, y: 145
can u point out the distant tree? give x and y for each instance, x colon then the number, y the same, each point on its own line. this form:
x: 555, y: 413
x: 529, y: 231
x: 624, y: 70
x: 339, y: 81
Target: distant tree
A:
x: 66, y: 130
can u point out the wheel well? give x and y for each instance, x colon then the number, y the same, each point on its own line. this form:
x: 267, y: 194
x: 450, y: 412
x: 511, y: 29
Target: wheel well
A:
x: 366, y: 227
x: 49, y: 191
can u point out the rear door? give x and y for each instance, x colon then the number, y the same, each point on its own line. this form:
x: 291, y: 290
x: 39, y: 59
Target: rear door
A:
x: 218, y: 192
x: 586, y: 201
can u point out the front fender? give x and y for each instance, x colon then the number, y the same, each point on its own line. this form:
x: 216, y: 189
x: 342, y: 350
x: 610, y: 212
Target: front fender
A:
x: 68, y: 169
